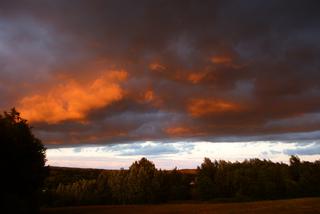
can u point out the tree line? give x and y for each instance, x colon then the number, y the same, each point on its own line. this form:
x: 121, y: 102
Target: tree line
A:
x: 29, y: 183
x: 141, y: 183
x: 213, y: 180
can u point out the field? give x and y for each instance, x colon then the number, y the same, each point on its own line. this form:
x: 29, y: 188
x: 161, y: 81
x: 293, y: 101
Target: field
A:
x: 292, y: 206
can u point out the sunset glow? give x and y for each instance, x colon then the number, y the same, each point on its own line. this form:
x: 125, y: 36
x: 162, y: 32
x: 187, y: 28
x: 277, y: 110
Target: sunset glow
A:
x: 72, y: 101
x: 101, y: 73
x: 205, y: 107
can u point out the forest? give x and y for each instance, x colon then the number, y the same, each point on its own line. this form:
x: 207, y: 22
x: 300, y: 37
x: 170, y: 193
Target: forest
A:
x: 143, y: 183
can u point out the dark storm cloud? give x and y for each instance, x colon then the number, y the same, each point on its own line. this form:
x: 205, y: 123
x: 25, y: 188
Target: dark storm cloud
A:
x: 197, y: 70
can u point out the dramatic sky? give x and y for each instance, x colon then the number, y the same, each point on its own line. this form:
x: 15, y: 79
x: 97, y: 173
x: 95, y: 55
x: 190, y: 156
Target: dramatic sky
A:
x: 163, y: 77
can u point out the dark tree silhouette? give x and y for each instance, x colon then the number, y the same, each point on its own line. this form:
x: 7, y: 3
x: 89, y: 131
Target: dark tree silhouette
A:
x: 23, y: 164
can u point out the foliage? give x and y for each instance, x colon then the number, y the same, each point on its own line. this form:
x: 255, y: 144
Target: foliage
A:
x: 64, y: 175
x: 23, y: 163
x: 258, y: 179
x: 118, y: 186
x: 213, y: 180
x: 142, y: 183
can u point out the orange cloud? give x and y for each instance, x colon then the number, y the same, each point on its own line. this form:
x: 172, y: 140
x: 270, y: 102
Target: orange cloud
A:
x: 149, y: 95
x: 183, y: 130
x: 176, y: 131
x: 196, y: 77
x: 156, y: 67
x: 221, y: 59
x: 71, y: 100
x: 204, y: 107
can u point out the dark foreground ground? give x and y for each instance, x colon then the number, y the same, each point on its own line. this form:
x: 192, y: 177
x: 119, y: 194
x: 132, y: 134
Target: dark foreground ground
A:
x: 292, y: 206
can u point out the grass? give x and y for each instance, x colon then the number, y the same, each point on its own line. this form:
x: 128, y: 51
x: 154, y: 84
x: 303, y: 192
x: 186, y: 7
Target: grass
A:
x: 292, y: 206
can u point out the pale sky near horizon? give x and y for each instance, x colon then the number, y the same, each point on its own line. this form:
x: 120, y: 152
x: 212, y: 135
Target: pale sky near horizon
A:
x: 180, y: 154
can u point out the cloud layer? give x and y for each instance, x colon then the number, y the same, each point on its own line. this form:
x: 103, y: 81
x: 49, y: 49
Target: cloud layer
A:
x: 99, y: 72
x: 178, y: 154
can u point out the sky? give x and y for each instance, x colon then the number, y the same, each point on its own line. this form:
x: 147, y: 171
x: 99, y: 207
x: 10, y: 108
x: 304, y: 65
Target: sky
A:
x: 105, y: 82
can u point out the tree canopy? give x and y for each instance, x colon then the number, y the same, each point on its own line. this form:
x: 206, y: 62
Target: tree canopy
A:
x: 23, y: 161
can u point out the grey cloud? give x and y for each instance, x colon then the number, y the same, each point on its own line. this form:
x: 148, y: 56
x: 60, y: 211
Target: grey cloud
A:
x: 154, y: 149
x: 309, y: 149
x: 77, y: 149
